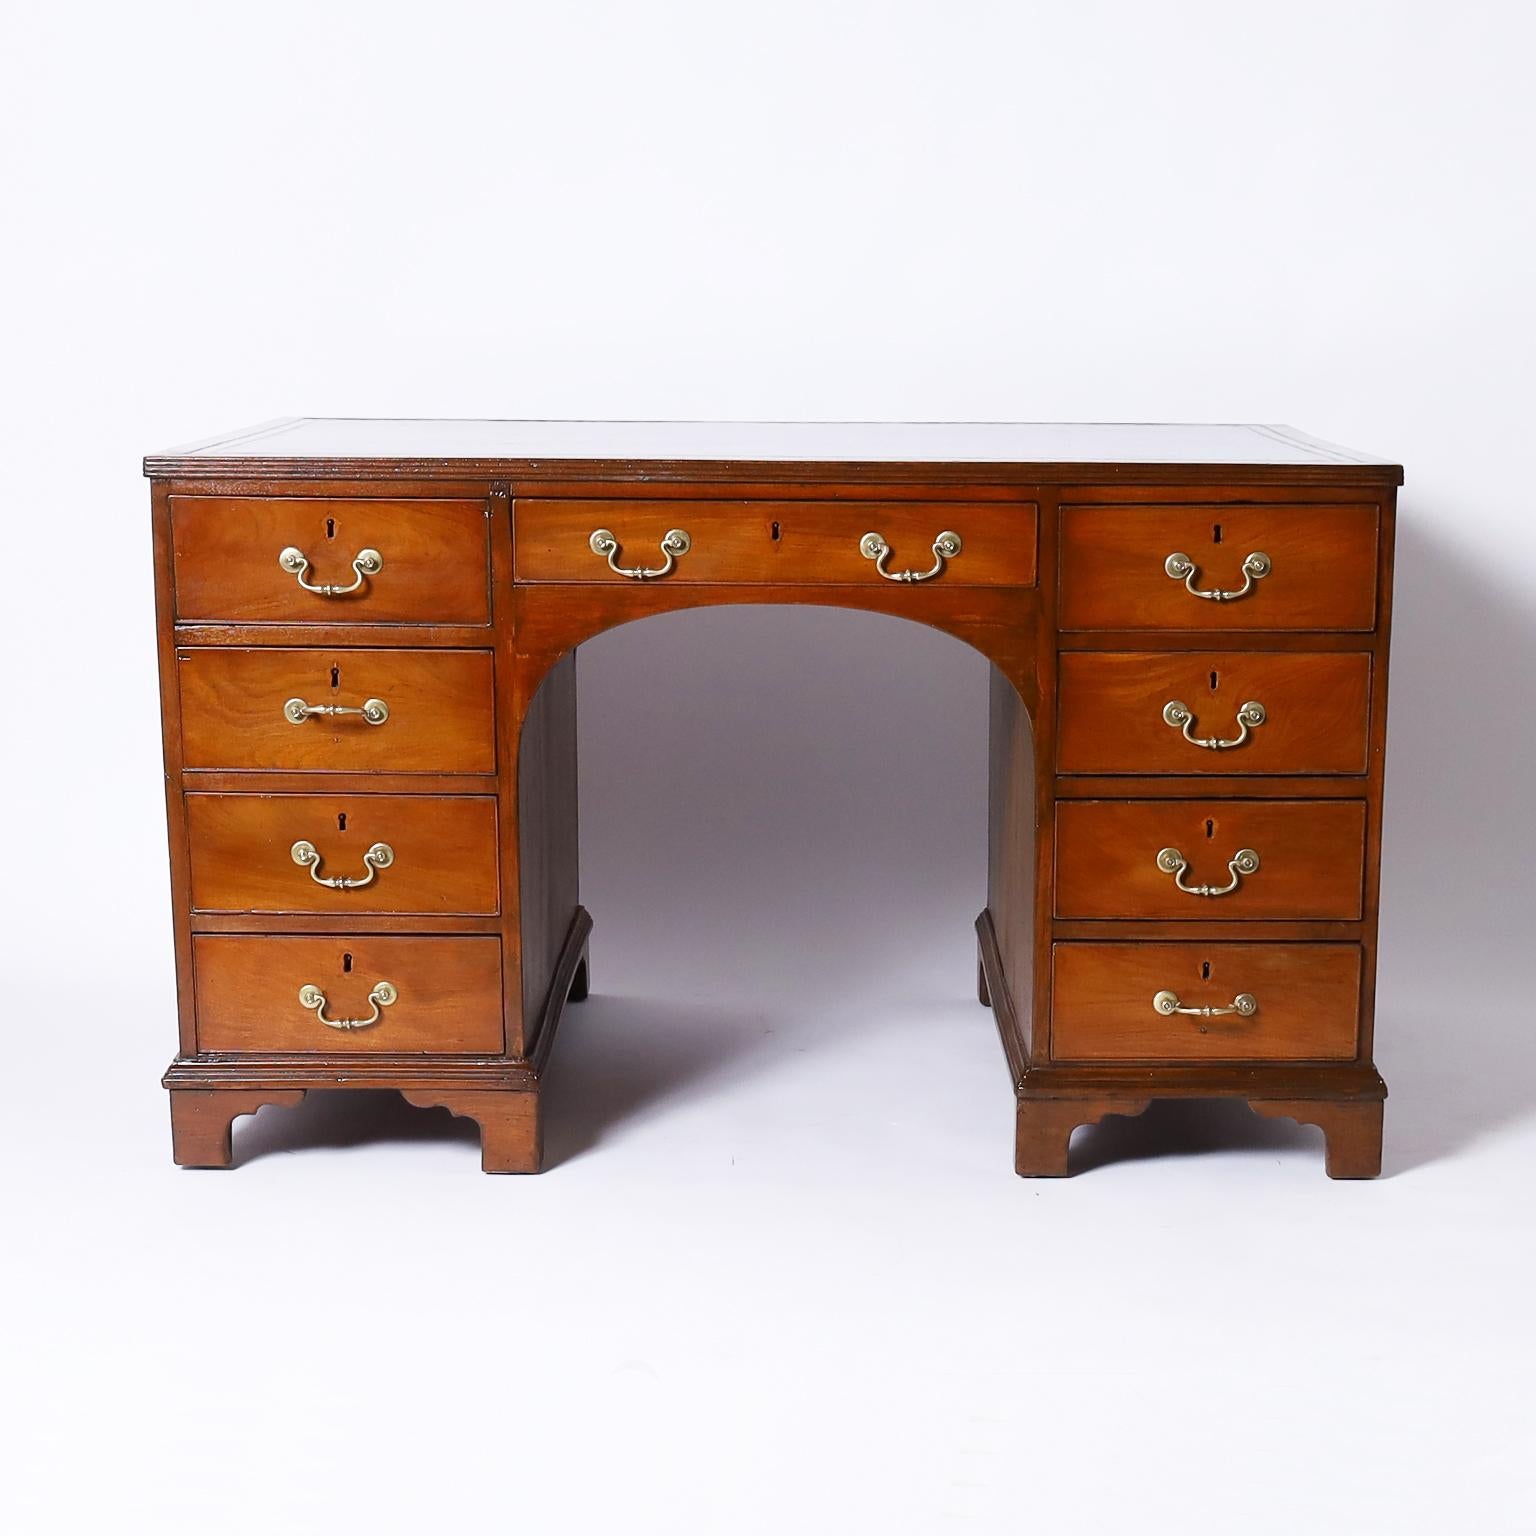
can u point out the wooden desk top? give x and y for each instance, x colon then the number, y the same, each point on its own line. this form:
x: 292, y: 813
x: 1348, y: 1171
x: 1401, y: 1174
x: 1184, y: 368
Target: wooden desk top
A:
x: 665, y: 450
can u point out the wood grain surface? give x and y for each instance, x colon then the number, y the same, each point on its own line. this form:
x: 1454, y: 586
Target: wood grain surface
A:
x: 444, y: 853
x: 777, y: 541
x: 1322, y: 575
x: 1308, y: 996
x: 442, y: 711
x: 1311, y: 858
x: 1316, y: 706
x: 435, y: 570
x: 248, y: 993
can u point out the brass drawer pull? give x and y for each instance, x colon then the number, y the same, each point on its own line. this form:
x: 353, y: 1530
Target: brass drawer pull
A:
x: 674, y: 542
x: 1245, y: 1005
x: 307, y: 856
x: 873, y: 547
x: 372, y: 711
x: 1180, y: 717
x: 1244, y: 862
x: 366, y: 562
x: 1256, y: 567
x: 383, y: 994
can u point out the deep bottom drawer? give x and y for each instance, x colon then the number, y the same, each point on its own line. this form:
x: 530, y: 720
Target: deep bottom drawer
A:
x: 281, y: 994
x: 1115, y: 1002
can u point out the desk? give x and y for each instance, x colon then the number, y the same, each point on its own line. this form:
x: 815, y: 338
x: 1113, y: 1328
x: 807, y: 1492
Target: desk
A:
x: 367, y: 636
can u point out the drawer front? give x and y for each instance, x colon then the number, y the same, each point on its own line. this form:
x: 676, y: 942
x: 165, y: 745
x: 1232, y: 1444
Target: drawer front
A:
x: 774, y: 541
x: 434, y: 560
x: 1318, y: 567
x: 397, y: 853
x: 1144, y: 859
x: 439, y: 710
x: 1306, y: 1002
x: 1316, y: 712
x: 445, y: 999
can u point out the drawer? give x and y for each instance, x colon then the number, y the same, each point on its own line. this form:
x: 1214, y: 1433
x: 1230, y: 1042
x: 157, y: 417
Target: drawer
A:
x: 1318, y: 565
x: 1305, y: 1002
x: 440, y: 710
x: 773, y: 541
x: 399, y: 853
x: 1149, y: 859
x: 444, y: 995
x: 434, y: 560
x: 1112, y: 704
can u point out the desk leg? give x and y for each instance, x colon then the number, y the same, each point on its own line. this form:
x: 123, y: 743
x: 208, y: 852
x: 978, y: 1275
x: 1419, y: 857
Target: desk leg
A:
x: 511, y: 1123
x: 202, y: 1119
x: 1044, y: 1130
x: 581, y: 982
x: 1351, y: 1131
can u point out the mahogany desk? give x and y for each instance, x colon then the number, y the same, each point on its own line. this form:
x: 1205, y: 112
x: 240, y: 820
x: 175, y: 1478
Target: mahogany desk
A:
x: 367, y: 639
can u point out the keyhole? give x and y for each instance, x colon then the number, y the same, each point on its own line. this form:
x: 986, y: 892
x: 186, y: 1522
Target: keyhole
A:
x: 1216, y: 533
x: 775, y: 533
x: 1210, y: 830
x: 1213, y: 680
x: 330, y: 527
x: 346, y: 964
x: 341, y: 822
x: 1205, y: 970
x: 336, y: 677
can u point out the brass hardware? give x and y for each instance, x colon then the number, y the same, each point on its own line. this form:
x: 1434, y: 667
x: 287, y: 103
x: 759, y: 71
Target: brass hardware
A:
x: 873, y: 547
x: 1180, y: 567
x: 1245, y: 1005
x: 1244, y: 862
x: 307, y: 856
x: 373, y: 711
x: 366, y: 562
x: 1179, y: 716
x: 674, y: 542
x: 383, y: 994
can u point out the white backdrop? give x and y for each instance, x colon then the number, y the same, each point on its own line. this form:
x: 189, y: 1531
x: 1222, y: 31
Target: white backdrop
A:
x: 780, y: 1274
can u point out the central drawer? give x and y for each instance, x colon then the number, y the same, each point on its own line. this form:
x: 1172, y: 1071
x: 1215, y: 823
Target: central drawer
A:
x: 357, y: 994
x: 394, y: 853
x: 265, y: 709
x: 776, y: 541
x: 1191, y: 712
